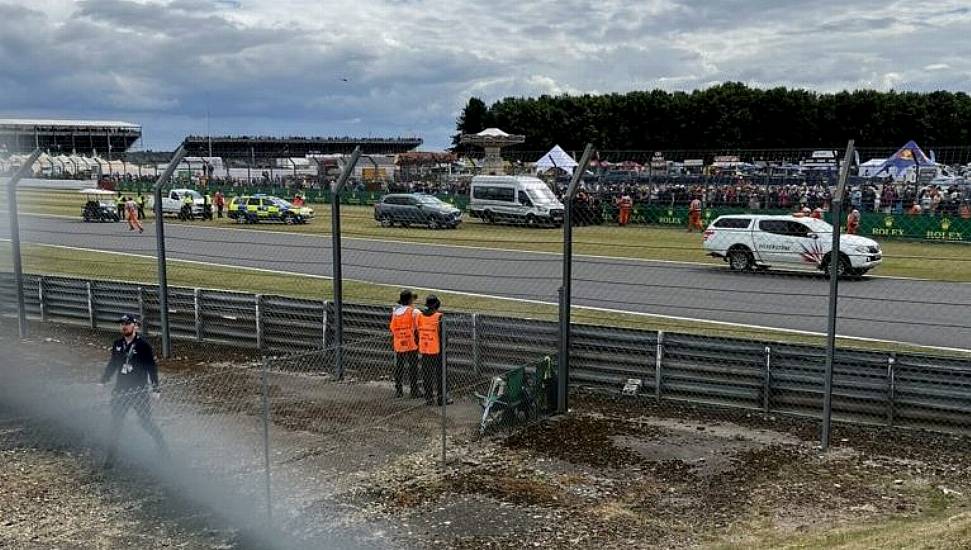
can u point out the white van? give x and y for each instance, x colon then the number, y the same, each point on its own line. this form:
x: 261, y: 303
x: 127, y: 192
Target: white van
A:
x: 514, y: 199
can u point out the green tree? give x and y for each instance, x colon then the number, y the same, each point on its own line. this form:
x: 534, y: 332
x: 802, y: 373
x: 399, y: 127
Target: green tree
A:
x: 471, y: 120
x: 726, y: 117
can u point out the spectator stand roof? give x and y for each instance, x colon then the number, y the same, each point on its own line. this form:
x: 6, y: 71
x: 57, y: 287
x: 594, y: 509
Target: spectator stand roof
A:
x: 265, y: 147
x: 67, y: 124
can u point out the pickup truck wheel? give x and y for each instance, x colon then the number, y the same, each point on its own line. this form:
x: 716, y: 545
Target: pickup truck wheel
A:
x: 845, y: 268
x: 740, y: 259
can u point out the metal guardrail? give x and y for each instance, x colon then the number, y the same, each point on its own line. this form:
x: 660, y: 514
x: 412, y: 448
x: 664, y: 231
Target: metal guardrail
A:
x: 889, y: 389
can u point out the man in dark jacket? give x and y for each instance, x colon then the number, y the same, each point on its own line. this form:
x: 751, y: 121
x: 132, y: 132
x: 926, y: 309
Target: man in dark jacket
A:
x: 133, y: 361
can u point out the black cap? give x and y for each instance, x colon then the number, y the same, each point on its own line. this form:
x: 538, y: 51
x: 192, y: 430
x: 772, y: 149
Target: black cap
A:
x: 406, y: 297
x: 128, y: 319
x: 432, y: 302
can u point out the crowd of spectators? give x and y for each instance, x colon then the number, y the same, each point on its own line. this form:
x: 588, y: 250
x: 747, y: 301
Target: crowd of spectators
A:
x: 883, y: 197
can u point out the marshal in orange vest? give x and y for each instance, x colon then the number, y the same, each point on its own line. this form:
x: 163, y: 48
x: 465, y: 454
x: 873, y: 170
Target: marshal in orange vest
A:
x: 403, y: 331
x: 429, y: 338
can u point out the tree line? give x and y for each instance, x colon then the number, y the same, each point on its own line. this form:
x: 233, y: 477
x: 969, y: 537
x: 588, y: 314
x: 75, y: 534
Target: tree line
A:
x: 726, y: 116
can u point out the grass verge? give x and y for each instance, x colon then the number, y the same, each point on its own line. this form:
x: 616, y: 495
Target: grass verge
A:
x: 917, y: 259
x: 50, y: 260
x: 931, y: 531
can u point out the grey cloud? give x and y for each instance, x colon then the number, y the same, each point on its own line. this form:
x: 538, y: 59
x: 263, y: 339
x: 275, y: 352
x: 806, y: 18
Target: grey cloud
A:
x: 411, y: 64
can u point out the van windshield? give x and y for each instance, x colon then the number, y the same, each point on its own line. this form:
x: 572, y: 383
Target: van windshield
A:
x: 541, y: 195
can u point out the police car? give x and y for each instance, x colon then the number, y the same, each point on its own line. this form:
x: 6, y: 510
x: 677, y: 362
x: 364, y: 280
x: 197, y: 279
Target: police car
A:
x: 263, y: 208
x: 749, y: 242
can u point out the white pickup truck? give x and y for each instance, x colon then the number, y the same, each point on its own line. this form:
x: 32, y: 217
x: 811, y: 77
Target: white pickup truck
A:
x: 749, y: 242
x: 173, y: 201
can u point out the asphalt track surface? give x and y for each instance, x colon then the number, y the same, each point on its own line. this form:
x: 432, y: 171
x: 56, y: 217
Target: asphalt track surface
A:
x: 921, y: 312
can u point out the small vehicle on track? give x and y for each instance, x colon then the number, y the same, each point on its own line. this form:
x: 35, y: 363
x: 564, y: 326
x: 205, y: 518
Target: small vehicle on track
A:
x: 759, y: 242
x: 99, y: 206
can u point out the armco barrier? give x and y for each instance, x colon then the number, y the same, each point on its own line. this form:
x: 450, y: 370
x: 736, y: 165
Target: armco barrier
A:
x: 889, y: 389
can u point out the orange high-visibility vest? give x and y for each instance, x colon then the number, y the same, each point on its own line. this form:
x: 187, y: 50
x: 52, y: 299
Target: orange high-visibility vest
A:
x: 403, y: 331
x: 429, y: 340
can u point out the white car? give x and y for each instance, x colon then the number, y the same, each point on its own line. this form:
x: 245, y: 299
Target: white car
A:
x: 758, y: 242
x: 173, y: 201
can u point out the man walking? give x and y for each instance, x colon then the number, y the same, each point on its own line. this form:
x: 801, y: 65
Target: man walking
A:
x: 133, y: 361
x: 853, y: 222
x: 626, y: 204
x: 430, y: 346
x: 141, y: 206
x: 404, y: 327
x: 187, y: 203
x: 694, y: 216
x: 131, y: 215
x: 220, y: 202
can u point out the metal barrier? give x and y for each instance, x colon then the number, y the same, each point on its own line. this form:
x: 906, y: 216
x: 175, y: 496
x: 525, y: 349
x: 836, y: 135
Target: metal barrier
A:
x: 889, y: 389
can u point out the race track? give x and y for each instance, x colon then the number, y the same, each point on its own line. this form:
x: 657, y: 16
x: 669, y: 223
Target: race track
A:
x: 920, y: 312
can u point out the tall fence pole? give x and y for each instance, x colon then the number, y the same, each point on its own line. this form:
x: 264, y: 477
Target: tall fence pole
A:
x: 163, y: 283
x: 443, y: 395
x: 335, y: 229
x: 18, y: 267
x: 835, y: 259
x: 563, y: 383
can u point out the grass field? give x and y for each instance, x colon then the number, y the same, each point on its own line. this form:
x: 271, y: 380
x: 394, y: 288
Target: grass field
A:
x: 932, y: 531
x: 50, y: 260
x: 924, y: 260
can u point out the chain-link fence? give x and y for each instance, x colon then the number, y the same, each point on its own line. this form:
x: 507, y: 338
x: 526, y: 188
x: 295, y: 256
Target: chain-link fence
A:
x: 274, y: 320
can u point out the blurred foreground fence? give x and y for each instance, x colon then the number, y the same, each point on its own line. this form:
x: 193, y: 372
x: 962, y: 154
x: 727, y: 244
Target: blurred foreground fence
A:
x: 908, y: 390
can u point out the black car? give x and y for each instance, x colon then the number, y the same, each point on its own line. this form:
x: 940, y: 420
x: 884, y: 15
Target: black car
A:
x: 407, y: 209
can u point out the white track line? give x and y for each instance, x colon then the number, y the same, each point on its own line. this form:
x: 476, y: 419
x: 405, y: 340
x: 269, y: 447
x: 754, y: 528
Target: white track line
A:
x: 705, y: 265
x: 521, y: 300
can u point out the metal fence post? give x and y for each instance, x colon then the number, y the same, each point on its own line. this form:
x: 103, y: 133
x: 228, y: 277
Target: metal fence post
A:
x: 658, y: 360
x: 265, y: 398
x: 163, y: 284
x: 92, y: 318
x: 335, y: 228
x: 42, y: 298
x: 18, y: 267
x: 141, y: 310
x: 767, y: 382
x: 834, y: 269
x: 566, y: 291
x: 475, y: 343
x: 891, y: 387
x: 324, y: 324
x: 258, y: 315
x: 443, y: 395
x: 197, y: 312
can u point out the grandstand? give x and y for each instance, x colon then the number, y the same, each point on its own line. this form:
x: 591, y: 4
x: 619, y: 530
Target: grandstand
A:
x: 285, y: 147
x: 67, y: 136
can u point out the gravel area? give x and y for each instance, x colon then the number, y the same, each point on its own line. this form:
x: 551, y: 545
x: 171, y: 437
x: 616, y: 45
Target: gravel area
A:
x: 615, y: 473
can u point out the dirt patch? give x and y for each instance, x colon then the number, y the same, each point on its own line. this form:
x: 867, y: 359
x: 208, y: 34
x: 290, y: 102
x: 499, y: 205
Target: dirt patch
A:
x: 584, y: 440
x: 619, y: 480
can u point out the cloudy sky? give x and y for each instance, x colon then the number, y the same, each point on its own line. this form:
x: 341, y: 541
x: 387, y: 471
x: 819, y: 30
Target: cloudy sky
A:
x: 406, y: 67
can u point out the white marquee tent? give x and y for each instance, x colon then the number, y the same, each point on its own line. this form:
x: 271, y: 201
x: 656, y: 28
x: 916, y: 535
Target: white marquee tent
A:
x: 556, y: 158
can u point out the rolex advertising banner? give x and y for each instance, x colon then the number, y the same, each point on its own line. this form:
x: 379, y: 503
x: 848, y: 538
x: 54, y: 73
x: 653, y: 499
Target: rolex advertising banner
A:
x: 939, y: 227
